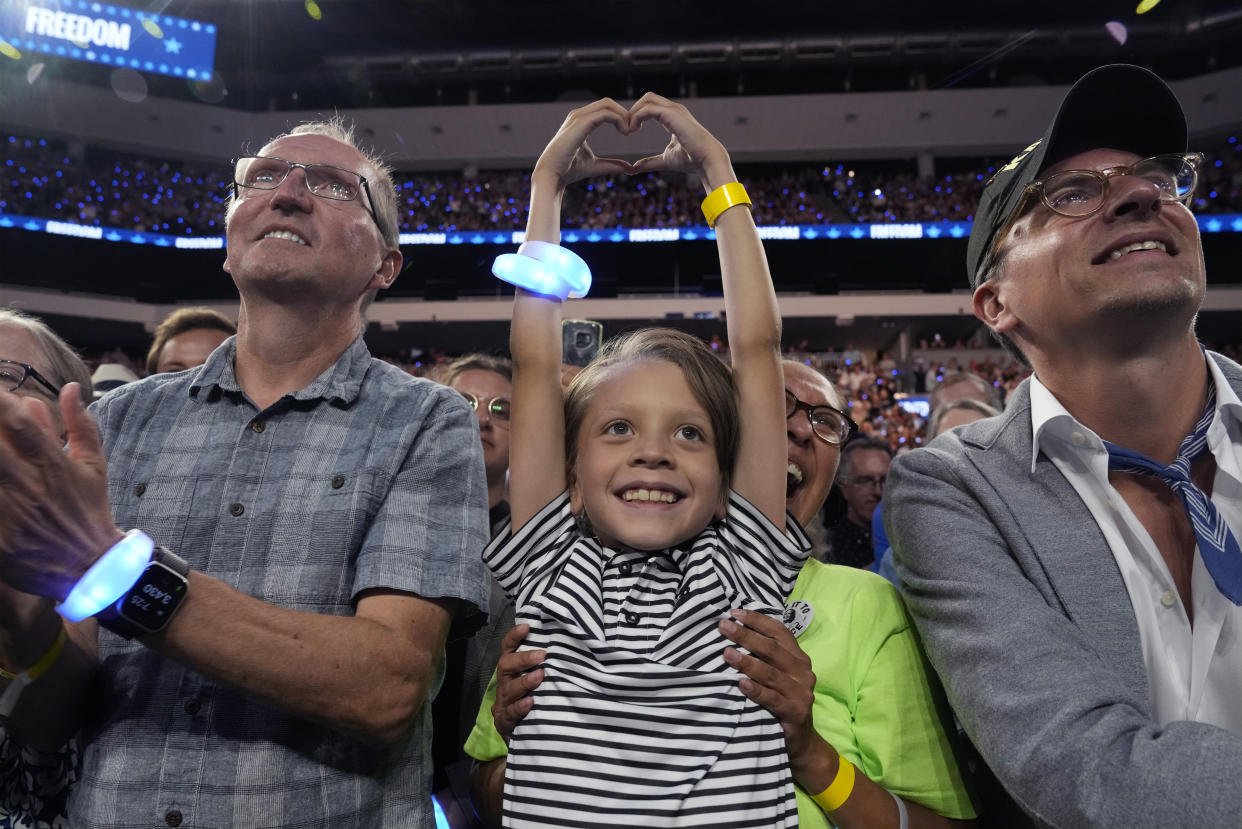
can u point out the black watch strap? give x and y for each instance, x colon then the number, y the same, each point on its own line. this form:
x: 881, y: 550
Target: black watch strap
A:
x: 149, y: 605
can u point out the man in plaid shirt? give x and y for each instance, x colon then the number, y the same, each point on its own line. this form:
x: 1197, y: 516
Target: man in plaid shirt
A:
x: 331, y: 511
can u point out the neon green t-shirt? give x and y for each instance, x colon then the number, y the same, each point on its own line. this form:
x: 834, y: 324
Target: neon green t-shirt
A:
x: 873, y: 700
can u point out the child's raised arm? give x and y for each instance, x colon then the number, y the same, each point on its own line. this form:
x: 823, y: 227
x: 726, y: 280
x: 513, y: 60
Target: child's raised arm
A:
x: 537, y: 430
x: 754, y: 323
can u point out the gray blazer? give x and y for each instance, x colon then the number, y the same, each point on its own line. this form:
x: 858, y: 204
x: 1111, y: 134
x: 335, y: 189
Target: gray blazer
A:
x: 1024, y: 615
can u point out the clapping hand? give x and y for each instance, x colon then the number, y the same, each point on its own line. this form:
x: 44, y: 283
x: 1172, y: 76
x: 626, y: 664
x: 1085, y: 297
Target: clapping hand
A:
x: 55, y: 520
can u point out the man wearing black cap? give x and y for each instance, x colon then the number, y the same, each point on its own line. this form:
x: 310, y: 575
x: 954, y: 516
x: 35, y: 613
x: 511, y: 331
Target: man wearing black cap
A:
x: 1073, y: 564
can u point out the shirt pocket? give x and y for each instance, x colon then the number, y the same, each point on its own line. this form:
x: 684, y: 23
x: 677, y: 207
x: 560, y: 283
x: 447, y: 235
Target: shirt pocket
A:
x: 158, y: 505
x: 319, y: 525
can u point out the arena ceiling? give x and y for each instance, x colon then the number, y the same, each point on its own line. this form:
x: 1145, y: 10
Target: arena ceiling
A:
x: 322, y: 54
x: 298, y: 54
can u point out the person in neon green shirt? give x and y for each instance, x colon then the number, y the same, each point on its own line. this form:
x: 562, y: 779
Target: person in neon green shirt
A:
x: 853, y: 684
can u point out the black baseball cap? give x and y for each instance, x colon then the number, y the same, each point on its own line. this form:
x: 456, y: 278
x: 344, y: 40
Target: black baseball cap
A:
x: 1120, y: 106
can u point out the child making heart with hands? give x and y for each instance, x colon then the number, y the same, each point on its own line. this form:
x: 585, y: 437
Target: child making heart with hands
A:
x: 646, y: 503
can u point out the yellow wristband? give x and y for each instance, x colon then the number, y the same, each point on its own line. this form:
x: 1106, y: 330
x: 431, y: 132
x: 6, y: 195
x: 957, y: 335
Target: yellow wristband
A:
x: 839, y: 790
x: 45, y: 662
x: 721, y: 199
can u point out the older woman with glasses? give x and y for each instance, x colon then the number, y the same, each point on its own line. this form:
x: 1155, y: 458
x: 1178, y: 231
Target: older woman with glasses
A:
x: 34, y: 778
x: 844, y: 674
x: 35, y: 362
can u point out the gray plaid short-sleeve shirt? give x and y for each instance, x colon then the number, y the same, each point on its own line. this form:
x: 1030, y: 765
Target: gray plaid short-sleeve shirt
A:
x: 366, y: 478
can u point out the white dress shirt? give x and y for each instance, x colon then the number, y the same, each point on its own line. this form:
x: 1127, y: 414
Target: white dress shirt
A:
x: 1193, y: 673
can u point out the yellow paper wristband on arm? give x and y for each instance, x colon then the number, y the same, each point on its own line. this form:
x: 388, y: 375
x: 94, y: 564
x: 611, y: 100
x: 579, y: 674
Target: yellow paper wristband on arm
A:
x: 721, y: 199
x: 45, y: 662
x: 839, y: 790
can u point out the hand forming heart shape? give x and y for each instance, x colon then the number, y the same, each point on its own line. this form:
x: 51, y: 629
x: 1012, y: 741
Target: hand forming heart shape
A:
x: 691, y: 149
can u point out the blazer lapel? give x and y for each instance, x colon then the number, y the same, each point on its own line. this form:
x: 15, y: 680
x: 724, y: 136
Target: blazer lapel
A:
x: 1068, y: 558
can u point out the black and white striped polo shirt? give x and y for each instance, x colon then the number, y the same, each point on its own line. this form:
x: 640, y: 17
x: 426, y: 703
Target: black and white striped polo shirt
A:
x: 639, y: 720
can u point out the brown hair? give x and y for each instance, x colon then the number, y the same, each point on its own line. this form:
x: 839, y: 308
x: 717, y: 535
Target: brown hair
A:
x: 709, y: 379
x: 181, y: 321
x: 476, y: 362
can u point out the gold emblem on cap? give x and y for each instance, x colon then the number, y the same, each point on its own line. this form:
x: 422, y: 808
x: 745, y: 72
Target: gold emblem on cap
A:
x: 1017, y: 159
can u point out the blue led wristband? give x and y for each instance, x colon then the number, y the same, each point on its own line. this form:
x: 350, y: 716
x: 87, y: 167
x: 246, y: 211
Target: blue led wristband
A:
x: 546, y: 269
x: 109, y: 578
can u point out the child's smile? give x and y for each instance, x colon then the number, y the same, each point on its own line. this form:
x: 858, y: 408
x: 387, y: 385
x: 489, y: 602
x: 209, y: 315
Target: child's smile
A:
x: 646, y: 470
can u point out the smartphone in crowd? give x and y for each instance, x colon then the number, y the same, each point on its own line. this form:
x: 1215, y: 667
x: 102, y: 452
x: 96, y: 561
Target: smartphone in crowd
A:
x: 580, y: 341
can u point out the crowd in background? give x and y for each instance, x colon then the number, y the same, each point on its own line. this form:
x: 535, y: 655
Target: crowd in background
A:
x: 873, y: 384
x: 39, y: 177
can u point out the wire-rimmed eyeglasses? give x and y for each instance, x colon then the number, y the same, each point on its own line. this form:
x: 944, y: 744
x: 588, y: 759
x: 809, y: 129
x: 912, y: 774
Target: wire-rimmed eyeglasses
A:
x: 828, y: 424
x: 13, y: 374
x: 1077, y: 194
x: 498, y: 408
x: 262, y: 172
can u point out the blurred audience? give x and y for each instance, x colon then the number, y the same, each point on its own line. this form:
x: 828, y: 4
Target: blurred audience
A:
x: 861, y: 479
x: 111, y: 376
x: 39, y: 177
x: 186, y: 338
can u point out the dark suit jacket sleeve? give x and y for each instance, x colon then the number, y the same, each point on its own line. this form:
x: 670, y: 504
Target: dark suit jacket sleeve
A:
x: 1059, y: 715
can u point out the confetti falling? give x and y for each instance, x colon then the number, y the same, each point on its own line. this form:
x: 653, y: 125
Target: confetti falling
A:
x: 152, y: 27
x: 32, y: 74
x: 9, y: 50
x: 312, y: 8
x: 1117, y: 30
x: 1146, y: 6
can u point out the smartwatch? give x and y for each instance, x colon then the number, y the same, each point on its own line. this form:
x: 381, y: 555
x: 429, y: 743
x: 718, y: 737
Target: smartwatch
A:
x: 149, y: 605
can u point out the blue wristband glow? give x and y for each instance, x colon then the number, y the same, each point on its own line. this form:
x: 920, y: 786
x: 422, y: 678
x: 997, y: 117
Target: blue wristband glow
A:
x: 109, y: 578
x: 545, y: 268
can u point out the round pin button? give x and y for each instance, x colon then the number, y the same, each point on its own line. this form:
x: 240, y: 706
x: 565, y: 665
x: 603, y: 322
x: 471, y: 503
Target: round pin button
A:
x: 798, y: 616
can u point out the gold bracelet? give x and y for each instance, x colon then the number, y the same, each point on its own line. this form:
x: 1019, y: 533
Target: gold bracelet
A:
x: 45, y: 662
x: 839, y: 790
x: 721, y: 199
